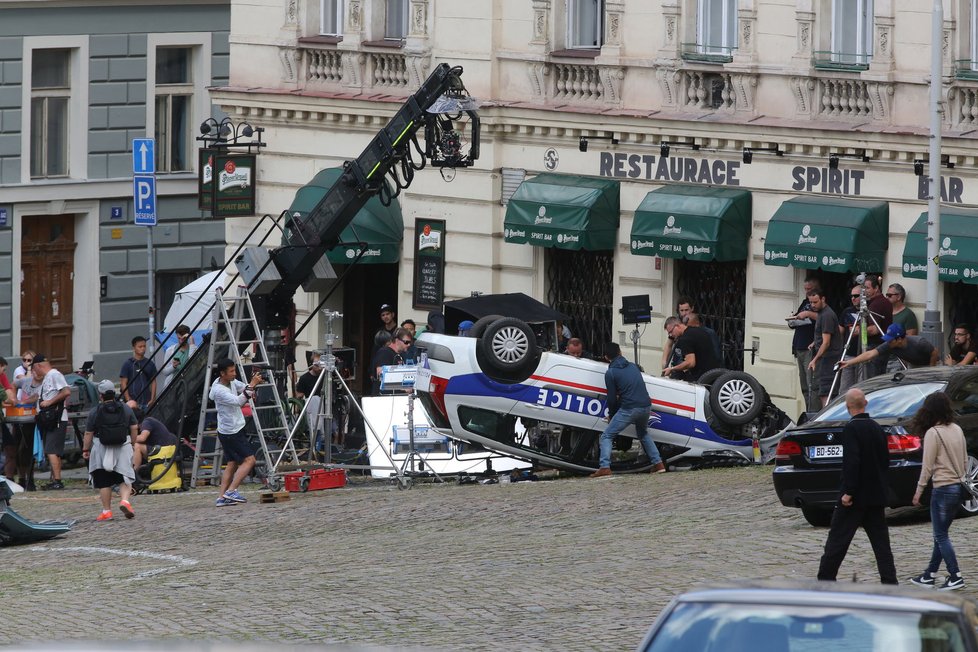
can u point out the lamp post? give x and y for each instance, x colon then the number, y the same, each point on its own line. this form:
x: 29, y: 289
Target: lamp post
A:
x: 932, y: 317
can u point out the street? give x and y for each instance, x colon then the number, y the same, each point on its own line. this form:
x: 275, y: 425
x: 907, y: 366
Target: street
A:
x: 573, y: 563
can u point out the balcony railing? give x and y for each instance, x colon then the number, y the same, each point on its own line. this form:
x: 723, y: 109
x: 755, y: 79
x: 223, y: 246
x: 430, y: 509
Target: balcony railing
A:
x: 704, y: 53
x: 329, y: 66
x: 828, y: 60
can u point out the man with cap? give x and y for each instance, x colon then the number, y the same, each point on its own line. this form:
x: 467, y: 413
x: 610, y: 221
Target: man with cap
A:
x: 48, y: 387
x: 388, y: 319
x: 912, y: 349
x: 110, y: 463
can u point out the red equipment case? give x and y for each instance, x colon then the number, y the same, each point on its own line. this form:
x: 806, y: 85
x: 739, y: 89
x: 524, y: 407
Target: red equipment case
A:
x: 315, y: 479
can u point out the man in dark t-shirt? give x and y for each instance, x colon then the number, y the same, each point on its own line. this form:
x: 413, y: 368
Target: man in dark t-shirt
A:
x: 390, y: 354
x: 912, y: 349
x: 827, y: 346
x: 152, y: 432
x: 696, y: 348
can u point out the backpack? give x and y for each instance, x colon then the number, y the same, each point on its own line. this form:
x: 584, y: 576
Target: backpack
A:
x: 111, y: 424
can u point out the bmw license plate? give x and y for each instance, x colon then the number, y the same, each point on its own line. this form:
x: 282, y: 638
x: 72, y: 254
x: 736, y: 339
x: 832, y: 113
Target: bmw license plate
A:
x: 822, y: 452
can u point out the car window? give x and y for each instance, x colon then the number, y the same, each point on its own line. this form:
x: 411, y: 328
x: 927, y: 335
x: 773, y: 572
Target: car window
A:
x: 886, y: 403
x: 717, y: 627
x: 964, y: 400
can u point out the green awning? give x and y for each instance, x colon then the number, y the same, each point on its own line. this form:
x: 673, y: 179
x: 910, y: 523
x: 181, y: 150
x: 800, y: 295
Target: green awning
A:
x: 564, y: 211
x: 957, y: 248
x: 693, y: 222
x: 381, y: 227
x: 837, y: 235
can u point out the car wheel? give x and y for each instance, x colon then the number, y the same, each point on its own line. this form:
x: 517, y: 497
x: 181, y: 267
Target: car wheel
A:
x: 479, y: 326
x: 508, y: 350
x: 710, y: 376
x: 970, y: 506
x: 817, y: 517
x: 736, y: 398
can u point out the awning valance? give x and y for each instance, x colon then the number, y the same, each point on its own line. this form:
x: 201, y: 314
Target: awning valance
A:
x: 564, y: 211
x: 694, y: 222
x: 381, y: 227
x: 837, y: 235
x: 957, y: 247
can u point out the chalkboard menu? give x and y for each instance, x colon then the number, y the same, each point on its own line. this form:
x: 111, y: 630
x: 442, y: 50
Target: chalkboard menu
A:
x: 429, y: 264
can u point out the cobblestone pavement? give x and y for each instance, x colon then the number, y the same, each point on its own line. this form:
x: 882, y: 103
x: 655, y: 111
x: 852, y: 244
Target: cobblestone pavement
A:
x: 573, y: 564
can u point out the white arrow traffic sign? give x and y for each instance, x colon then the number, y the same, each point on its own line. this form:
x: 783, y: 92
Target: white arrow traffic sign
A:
x: 143, y: 156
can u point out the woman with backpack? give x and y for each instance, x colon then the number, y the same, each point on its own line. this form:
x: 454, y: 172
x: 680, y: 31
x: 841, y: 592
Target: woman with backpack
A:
x: 109, y: 435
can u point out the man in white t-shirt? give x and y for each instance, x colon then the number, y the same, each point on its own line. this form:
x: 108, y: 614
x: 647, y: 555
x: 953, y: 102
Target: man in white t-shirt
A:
x: 229, y: 394
x: 50, y: 389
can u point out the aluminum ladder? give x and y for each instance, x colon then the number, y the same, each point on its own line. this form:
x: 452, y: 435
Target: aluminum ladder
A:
x: 234, y: 319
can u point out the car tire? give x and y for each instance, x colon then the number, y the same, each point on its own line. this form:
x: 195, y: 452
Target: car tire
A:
x: 817, y: 517
x: 970, y: 507
x: 508, y: 350
x: 736, y: 398
x: 479, y: 326
x: 710, y: 376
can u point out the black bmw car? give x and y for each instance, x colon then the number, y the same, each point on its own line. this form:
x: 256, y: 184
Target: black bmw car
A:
x: 808, y: 460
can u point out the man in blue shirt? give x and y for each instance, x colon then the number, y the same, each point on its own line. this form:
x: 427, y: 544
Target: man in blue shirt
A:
x: 137, y: 379
x: 628, y: 404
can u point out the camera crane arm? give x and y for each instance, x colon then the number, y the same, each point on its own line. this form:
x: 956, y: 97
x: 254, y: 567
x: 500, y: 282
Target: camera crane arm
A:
x: 441, y: 100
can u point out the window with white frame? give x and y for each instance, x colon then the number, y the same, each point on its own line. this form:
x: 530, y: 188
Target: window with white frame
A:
x: 174, y: 108
x: 331, y: 18
x: 396, y: 22
x: 584, y: 23
x: 852, y: 31
x: 50, y: 95
x: 716, y: 26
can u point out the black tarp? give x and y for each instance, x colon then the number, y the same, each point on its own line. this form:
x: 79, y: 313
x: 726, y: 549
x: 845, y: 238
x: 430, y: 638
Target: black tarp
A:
x: 515, y: 304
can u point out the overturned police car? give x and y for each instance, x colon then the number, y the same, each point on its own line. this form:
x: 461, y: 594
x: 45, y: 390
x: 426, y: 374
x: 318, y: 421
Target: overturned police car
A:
x: 476, y: 388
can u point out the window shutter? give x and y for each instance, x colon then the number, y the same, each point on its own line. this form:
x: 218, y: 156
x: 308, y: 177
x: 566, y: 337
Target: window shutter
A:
x: 512, y: 178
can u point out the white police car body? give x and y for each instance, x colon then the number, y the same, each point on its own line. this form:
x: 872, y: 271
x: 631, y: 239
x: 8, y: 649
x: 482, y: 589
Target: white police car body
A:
x: 475, y: 388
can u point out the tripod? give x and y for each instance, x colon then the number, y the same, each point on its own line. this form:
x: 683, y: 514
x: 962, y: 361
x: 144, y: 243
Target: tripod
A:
x: 327, y: 361
x: 408, y: 468
x: 862, y: 315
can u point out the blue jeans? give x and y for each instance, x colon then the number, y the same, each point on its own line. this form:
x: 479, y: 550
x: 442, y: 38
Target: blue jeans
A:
x: 622, y: 419
x: 944, y: 503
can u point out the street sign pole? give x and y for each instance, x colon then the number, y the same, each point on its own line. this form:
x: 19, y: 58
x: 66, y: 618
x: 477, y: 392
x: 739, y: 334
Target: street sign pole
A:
x: 144, y: 200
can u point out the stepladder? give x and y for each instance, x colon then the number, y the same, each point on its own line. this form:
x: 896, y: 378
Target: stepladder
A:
x: 236, y: 335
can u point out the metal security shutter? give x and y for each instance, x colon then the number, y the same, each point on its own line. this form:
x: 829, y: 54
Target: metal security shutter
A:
x: 580, y: 284
x: 512, y: 178
x: 718, y: 292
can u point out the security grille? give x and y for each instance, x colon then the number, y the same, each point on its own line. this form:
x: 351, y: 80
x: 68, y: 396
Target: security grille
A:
x: 580, y: 284
x: 718, y: 291
x: 962, y: 302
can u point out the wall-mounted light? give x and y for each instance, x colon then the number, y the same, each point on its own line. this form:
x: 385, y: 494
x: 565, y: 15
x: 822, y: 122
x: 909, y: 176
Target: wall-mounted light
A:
x: 835, y: 156
x: 664, y: 146
x: 947, y: 162
x: 918, y: 167
x: 582, y: 143
x: 227, y: 134
x: 749, y: 152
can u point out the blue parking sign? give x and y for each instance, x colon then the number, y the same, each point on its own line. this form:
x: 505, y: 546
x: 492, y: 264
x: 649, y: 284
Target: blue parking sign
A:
x: 144, y: 200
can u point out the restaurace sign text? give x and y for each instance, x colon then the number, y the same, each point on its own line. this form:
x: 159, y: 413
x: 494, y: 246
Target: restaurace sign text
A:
x: 716, y: 172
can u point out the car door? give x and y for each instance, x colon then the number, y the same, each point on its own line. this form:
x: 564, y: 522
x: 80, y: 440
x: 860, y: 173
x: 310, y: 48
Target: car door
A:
x: 674, y: 409
x: 964, y: 399
x: 565, y: 390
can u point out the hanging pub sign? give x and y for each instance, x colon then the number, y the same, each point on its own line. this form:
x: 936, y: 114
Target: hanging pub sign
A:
x: 233, y: 184
x: 205, y: 178
x: 429, y: 264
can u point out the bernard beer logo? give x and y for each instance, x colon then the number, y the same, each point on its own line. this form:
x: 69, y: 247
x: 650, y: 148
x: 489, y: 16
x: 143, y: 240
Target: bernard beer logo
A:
x: 670, y: 228
x: 233, y: 176
x: 806, y: 237
x: 429, y: 239
x: 542, y: 217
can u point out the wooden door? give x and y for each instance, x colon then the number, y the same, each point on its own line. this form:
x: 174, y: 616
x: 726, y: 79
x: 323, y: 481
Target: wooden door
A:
x: 47, y: 251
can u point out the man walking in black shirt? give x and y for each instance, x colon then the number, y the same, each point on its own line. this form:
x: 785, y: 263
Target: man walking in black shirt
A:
x: 865, y: 460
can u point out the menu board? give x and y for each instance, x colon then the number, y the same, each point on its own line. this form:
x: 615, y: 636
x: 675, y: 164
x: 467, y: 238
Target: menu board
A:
x: 429, y: 264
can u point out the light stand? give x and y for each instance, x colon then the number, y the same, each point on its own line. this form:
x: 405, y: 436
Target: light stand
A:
x: 328, y: 362
x: 636, y: 310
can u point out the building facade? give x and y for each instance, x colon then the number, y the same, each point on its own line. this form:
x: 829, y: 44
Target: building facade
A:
x: 739, y: 146
x: 78, y: 82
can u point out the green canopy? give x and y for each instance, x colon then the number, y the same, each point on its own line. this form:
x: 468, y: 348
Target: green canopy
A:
x: 693, y: 222
x: 957, y: 248
x: 564, y: 211
x: 837, y: 235
x: 381, y: 227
